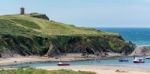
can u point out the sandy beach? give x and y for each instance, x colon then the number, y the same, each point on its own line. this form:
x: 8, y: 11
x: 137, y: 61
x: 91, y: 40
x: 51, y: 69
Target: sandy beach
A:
x: 101, y: 69
x: 34, y: 59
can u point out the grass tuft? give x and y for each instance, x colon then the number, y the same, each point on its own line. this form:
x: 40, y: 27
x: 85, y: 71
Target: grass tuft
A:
x: 40, y: 71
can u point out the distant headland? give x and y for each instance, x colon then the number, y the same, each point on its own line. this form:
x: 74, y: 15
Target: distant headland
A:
x: 34, y: 34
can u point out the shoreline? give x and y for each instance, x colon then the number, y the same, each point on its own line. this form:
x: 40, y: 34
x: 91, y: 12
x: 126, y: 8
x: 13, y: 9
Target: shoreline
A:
x: 34, y: 59
x: 37, y: 59
x: 101, y: 69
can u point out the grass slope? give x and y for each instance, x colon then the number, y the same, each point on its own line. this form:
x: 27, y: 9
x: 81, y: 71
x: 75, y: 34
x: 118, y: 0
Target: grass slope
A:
x: 22, y: 24
x: 39, y: 71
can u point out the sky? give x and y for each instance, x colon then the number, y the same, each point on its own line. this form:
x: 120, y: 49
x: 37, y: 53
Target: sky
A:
x: 86, y: 13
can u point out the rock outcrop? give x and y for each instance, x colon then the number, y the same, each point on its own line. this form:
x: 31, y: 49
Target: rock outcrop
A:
x: 141, y: 50
x: 38, y: 15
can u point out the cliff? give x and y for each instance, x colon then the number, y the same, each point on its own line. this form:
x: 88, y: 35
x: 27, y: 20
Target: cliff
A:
x: 26, y: 35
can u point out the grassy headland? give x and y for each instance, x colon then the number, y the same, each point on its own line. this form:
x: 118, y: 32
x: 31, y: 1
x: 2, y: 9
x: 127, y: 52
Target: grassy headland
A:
x: 26, y: 35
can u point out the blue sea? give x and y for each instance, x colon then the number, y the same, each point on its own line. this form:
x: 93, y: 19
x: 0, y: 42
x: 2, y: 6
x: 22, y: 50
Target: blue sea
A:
x: 107, y: 62
x: 139, y: 36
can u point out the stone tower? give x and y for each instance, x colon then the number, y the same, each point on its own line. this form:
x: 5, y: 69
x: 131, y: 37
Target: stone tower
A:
x: 22, y: 11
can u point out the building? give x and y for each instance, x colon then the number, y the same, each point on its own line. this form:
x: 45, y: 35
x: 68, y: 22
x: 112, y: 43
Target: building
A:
x: 22, y: 11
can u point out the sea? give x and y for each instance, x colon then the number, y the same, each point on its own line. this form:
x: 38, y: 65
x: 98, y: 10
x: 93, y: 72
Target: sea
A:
x: 139, y: 36
x: 101, y: 62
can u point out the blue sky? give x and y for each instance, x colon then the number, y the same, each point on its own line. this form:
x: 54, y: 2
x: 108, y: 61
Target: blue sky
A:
x: 87, y: 13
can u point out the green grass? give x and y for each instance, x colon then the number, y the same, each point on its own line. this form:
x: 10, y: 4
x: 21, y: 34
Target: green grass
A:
x: 9, y: 27
x: 25, y: 23
x: 40, y: 71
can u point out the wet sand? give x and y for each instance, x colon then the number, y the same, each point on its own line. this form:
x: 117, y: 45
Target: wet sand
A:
x: 35, y: 59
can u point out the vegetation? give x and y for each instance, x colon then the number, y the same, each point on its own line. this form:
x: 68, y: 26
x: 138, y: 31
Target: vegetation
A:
x: 47, y: 27
x: 40, y: 71
x: 26, y: 23
x: 26, y: 35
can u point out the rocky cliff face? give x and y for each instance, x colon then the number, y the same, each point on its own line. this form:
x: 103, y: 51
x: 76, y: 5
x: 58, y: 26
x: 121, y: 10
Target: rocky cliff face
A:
x: 58, y: 45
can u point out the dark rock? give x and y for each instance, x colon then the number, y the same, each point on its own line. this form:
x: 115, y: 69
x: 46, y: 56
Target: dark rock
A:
x: 38, y: 15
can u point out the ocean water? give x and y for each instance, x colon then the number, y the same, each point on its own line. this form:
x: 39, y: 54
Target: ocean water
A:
x: 108, y: 62
x: 139, y: 36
